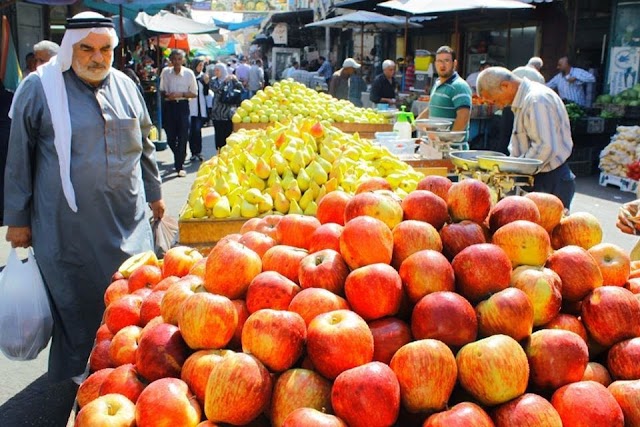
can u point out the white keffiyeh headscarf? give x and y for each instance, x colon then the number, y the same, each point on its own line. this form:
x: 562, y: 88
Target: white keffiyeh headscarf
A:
x: 56, y: 94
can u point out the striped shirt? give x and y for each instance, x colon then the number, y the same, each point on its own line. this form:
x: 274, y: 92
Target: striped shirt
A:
x: 530, y: 73
x: 541, y: 128
x: 448, y: 97
x: 573, y: 92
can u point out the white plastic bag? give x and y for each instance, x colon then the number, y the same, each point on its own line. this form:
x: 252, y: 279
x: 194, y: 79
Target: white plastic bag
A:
x: 25, y: 317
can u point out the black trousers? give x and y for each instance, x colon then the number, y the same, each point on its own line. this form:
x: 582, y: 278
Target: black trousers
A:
x: 195, y: 135
x: 560, y: 182
x: 176, y: 125
x: 223, y: 130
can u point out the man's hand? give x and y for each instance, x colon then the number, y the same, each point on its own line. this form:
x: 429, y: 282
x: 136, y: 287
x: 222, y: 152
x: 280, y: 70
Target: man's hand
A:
x: 20, y: 237
x: 571, y: 79
x: 157, y: 208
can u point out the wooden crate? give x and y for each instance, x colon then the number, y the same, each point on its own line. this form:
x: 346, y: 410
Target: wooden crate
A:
x: 204, y: 233
x: 434, y: 164
x: 365, y: 130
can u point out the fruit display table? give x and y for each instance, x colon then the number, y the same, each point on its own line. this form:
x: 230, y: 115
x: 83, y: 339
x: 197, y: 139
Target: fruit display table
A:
x: 365, y: 130
x: 204, y: 233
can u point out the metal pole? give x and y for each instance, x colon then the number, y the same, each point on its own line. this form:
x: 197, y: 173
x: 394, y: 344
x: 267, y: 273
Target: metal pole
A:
x: 327, y: 40
x: 122, y: 43
x: 361, y: 42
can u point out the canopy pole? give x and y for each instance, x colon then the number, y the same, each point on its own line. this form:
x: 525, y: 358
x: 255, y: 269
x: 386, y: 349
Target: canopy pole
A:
x: 457, y: 35
x: 361, y: 42
x: 406, y: 38
x: 122, y: 44
x: 327, y: 41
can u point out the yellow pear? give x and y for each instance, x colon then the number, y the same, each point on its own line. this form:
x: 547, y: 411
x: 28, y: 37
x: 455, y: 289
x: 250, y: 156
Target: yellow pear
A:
x: 222, y: 209
x: 234, y: 196
x: 315, y: 188
x: 294, y: 208
x: 317, y: 173
x: 289, y: 152
x: 325, y: 164
x: 281, y: 203
x: 293, y: 191
x: 287, y: 178
x: 303, y: 180
x: 273, y: 179
x: 193, y: 196
x: 253, y: 195
x: 259, y: 147
x: 187, y: 213
x: 306, y: 198
x: 394, y: 179
x: 263, y: 170
x: 266, y: 204
x: 256, y: 182
x: 279, y: 163
x: 199, y: 210
x: 297, y: 162
x: 211, y: 198
x: 400, y: 192
x: 248, y: 210
x: 312, y: 208
x: 321, y: 193
x: 235, y: 212
x: 221, y: 185
x: 327, y: 154
x: 250, y: 164
x: 275, y: 189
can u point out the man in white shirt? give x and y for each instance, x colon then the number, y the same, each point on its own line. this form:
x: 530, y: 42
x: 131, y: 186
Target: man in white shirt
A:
x: 570, y: 82
x: 256, y: 78
x: 177, y: 85
x: 473, y: 77
x: 531, y: 70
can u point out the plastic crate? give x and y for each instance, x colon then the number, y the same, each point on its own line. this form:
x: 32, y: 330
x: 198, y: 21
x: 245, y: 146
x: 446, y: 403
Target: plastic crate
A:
x: 623, y: 183
x: 582, y: 168
x: 632, y: 112
x: 581, y: 154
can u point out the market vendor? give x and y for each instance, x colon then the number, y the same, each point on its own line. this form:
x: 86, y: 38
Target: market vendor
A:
x: 541, y: 128
x: 450, y: 95
x: 384, y: 89
x: 80, y: 173
x: 570, y: 82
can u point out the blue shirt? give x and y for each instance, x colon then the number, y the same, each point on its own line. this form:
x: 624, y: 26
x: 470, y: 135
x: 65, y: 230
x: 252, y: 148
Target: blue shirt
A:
x: 573, y: 92
x: 325, y: 71
x: 449, y: 96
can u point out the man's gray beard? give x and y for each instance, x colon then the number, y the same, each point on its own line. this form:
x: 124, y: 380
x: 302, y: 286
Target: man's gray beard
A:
x: 84, y: 73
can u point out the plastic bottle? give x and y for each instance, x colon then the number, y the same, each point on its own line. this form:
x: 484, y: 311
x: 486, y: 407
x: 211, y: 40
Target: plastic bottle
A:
x: 403, y: 124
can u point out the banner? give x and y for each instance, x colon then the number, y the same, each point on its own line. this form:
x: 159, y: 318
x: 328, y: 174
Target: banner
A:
x: 623, y: 68
x: 10, y: 71
x: 243, y: 6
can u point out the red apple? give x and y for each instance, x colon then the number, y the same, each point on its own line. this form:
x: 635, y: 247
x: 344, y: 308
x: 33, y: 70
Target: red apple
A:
x: 145, y: 276
x: 633, y: 285
x: 257, y: 242
x: 142, y: 292
x: 383, y: 205
x: 556, y: 357
x: 176, y: 294
x: 469, y: 199
x: 611, y: 314
x: 250, y: 225
x: 331, y: 207
x: 90, y: 387
x: 123, y: 312
x: 587, y: 404
x: 438, y: 185
x: 150, y: 307
x: 525, y: 242
x: 167, y: 401
x: 426, y: 370
x: 295, y: 230
x: 389, y: 334
x: 374, y: 291
x: 304, y: 417
x: 513, y: 208
x: 493, y: 370
x: 198, y: 269
x: 528, y: 410
x: 550, y: 207
x: 274, y: 337
x: 460, y: 235
x: 372, y: 184
x: 113, y: 410
x: 444, y: 316
x: 238, y: 390
x: 243, y: 314
x: 298, y: 388
x: 377, y: 400
x: 166, y: 283
x: 103, y: 333
x: 462, y: 414
x: 423, y: 205
x: 123, y: 380
x: 178, y: 261
x: 268, y: 225
x: 327, y: 236
x: 196, y: 369
x: 124, y: 345
x: 325, y: 269
x: 598, y: 373
x: 116, y: 290
x: 270, y: 289
x: 627, y: 394
x: 425, y: 272
x: 567, y: 322
x: 579, y: 229
x: 207, y: 321
x: 337, y: 341
x: 366, y: 240
x: 543, y: 287
x: 411, y: 236
x: 623, y: 360
x: 481, y: 270
x: 310, y: 302
x: 161, y: 352
x: 614, y: 263
x: 99, y: 357
x: 285, y: 260
x: 230, y: 269
x: 578, y: 271
x: 507, y: 312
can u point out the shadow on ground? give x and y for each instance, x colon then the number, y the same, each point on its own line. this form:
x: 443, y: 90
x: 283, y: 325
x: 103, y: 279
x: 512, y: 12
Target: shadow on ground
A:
x: 588, y: 185
x: 40, y: 404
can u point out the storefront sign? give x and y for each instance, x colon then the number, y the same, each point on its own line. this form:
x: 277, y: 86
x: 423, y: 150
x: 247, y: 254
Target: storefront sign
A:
x: 246, y: 6
x: 279, y: 33
x: 624, y: 65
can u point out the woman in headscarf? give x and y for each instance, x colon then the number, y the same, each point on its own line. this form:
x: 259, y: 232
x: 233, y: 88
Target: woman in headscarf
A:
x: 223, y: 85
x: 198, y: 109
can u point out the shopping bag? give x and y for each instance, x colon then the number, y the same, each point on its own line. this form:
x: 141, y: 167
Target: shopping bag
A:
x: 165, y: 234
x: 25, y: 316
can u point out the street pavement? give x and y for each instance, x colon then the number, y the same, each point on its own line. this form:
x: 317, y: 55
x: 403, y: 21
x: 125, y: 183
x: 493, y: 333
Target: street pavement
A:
x: 28, y: 399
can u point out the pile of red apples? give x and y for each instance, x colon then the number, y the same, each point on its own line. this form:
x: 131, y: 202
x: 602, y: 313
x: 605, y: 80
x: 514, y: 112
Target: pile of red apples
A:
x: 441, y: 309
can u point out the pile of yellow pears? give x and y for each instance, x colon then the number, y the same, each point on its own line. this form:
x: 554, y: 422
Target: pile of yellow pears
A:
x: 287, y: 98
x: 288, y: 169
